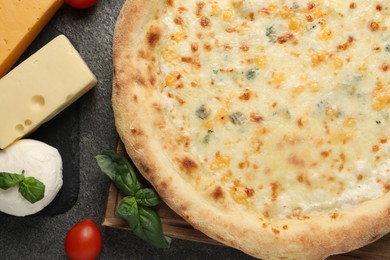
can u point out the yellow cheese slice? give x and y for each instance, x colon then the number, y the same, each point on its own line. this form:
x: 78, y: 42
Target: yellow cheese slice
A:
x: 40, y: 87
x: 20, y: 23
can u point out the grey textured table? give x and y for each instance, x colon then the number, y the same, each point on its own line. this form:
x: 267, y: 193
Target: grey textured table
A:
x: 42, y: 237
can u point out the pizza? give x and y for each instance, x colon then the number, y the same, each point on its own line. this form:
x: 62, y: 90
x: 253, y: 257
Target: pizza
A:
x: 264, y: 124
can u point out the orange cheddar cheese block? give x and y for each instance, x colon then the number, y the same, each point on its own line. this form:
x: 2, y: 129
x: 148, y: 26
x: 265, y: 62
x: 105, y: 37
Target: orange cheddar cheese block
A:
x: 20, y: 22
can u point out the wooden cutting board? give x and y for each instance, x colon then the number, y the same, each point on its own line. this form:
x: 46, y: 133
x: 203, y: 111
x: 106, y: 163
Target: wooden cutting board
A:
x: 174, y: 226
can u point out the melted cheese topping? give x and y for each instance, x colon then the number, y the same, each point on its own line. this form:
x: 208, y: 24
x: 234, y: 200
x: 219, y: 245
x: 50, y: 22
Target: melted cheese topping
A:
x: 285, y: 104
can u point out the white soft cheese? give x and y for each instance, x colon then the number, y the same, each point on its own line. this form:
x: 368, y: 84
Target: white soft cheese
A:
x: 37, y: 160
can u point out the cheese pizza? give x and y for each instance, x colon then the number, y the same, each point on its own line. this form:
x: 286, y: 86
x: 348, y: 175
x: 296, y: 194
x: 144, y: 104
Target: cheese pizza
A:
x: 264, y: 124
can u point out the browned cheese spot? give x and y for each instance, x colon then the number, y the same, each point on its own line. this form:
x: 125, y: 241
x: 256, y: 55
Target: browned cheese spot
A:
x: 325, y: 154
x: 257, y: 118
x: 334, y: 215
x: 204, y: 21
x: 245, y: 96
x: 344, y: 46
x: 193, y: 61
x: 139, y: 79
x: 386, y: 187
x: 200, y: 6
x: 153, y: 36
x: 142, y: 54
x: 311, y: 6
x: 194, y: 47
x: 218, y: 193
x: 152, y: 80
x: 285, y: 38
x: 170, y: 2
x: 163, y: 185
x: 385, y: 67
x: 300, y: 122
x: 188, y: 165
x: 249, y: 192
x: 302, y: 178
x: 244, y: 47
x: 183, y: 208
x: 137, y: 132
x: 145, y: 168
x: 374, y: 26
x: 207, y: 47
x: 178, y: 20
x: 296, y: 161
x: 274, y: 188
x: 157, y: 107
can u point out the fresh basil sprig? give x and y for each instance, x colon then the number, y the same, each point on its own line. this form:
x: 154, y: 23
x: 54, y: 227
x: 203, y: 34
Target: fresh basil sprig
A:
x: 136, y: 206
x: 31, y: 189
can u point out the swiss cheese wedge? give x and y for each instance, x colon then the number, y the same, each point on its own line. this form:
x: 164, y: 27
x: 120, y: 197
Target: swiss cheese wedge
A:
x: 41, y: 87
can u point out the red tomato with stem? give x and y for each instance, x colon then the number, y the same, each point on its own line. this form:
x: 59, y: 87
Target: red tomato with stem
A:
x: 81, y: 4
x: 83, y: 241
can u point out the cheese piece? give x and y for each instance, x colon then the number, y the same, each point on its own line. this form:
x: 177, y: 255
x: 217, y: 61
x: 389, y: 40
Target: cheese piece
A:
x: 41, y: 87
x: 37, y: 160
x: 20, y: 23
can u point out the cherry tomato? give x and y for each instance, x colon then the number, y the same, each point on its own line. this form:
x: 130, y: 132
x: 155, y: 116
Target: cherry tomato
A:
x: 83, y: 241
x: 81, y: 4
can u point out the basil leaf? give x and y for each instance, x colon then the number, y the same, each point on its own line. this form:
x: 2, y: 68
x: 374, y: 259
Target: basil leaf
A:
x: 120, y: 171
x: 152, y: 228
x: 147, y: 197
x: 32, y: 189
x: 106, y: 164
x: 144, y: 222
x: 8, y: 180
x: 125, y: 184
x: 128, y: 210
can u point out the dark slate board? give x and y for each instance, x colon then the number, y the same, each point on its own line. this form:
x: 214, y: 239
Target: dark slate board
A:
x: 63, y: 133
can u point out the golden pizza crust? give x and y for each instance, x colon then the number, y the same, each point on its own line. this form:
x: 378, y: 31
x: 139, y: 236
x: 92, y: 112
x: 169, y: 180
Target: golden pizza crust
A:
x: 149, y: 141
